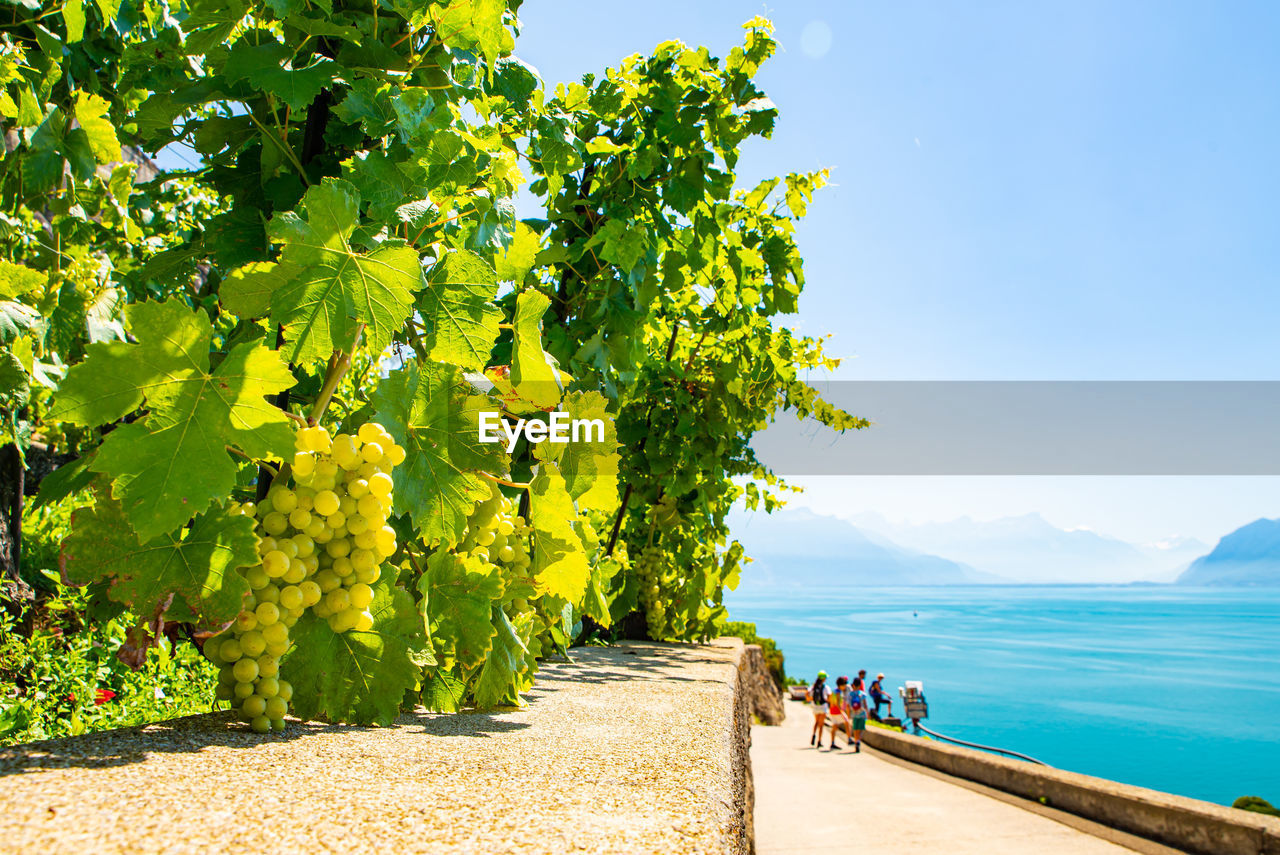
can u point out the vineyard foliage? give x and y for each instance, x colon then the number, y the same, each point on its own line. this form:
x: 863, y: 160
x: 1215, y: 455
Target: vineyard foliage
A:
x: 342, y: 272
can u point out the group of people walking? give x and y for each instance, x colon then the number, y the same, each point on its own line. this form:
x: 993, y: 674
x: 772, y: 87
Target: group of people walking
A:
x: 845, y: 707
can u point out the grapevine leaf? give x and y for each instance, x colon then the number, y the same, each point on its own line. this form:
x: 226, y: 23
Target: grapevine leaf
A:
x: 357, y: 677
x: 531, y: 372
x: 443, y: 690
x: 17, y: 280
x: 596, y: 602
x: 73, y: 16
x: 199, y: 568
x: 474, y: 25
x: 457, y: 305
x: 589, y: 462
x: 336, y: 288
x: 15, y: 318
x: 433, y: 413
x: 170, y: 466
x: 499, y: 683
x: 460, y: 592
x: 91, y: 111
x: 559, y: 561
x: 247, y: 290
x: 518, y: 259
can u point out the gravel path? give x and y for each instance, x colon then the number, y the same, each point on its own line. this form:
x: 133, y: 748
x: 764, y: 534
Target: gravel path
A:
x: 625, y: 750
x: 837, y: 802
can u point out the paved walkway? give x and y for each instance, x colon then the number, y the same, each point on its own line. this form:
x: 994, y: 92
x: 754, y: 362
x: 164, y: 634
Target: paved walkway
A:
x: 835, y: 802
x: 628, y: 750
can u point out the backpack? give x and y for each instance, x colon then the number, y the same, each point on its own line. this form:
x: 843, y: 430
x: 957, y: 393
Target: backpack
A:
x: 819, y: 692
x: 855, y: 701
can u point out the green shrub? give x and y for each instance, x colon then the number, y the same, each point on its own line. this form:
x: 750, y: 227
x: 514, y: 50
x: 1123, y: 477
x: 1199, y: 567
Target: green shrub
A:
x: 1255, y: 804
x: 59, y: 675
x: 772, y: 655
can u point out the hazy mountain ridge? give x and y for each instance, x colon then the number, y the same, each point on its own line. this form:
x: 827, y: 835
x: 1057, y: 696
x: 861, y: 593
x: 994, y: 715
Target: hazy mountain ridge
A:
x: 1248, y: 556
x: 1029, y: 549
x: 797, y: 547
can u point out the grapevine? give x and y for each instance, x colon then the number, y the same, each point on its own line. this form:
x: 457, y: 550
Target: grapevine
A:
x: 267, y: 373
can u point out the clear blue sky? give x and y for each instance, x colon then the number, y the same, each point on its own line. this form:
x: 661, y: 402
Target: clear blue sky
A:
x: 1081, y: 190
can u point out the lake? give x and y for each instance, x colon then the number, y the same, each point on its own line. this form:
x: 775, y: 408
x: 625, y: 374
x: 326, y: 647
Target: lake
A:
x: 1177, y: 689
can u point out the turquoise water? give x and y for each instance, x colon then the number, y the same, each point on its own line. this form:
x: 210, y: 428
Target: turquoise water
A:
x: 1177, y: 689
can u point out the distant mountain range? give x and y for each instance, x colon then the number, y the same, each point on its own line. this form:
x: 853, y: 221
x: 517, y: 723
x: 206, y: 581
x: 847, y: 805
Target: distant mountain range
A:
x: 1250, y: 555
x: 797, y: 547
x: 800, y: 548
x: 1028, y: 549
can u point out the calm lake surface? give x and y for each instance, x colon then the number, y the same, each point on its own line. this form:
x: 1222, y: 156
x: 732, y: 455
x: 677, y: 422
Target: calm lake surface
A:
x: 1177, y: 689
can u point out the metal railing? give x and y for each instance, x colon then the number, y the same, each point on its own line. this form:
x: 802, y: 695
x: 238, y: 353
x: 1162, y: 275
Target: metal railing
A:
x: 936, y: 735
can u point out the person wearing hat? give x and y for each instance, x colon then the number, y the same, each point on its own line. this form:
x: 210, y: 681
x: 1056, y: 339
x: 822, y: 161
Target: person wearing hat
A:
x: 879, y: 696
x: 818, y: 695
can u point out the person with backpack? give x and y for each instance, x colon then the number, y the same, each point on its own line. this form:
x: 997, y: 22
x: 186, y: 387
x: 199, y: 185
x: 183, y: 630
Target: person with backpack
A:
x: 818, y: 693
x: 838, y: 712
x: 858, y: 706
x: 879, y: 696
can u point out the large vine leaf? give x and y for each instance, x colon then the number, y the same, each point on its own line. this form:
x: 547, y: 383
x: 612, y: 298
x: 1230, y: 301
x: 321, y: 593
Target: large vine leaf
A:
x: 462, y: 321
x: 358, y: 677
x: 560, y: 565
x: 589, y: 461
x: 434, y: 414
x: 460, y: 591
x: 323, y: 290
x: 531, y: 372
x: 198, y: 565
x: 171, y: 465
x: 501, y: 677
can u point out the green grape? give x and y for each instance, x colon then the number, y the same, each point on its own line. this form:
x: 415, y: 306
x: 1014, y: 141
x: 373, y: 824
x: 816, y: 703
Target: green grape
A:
x: 276, y: 708
x: 311, y: 592
x: 361, y: 595
x: 275, y: 523
x: 230, y: 650
x: 246, y: 621
x: 297, y: 572
x: 328, y: 580
x: 252, y: 643
x: 245, y: 671
x: 268, y: 687
x: 254, y: 705
x: 267, y: 614
x: 285, y: 692
x: 338, y: 600
x: 282, y: 499
x: 276, y: 633
x: 326, y: 502
x: 364, y: 622
x: 260, y: 724
x: 268, y: 666
x: 291, y: 597
x: 243, y: 690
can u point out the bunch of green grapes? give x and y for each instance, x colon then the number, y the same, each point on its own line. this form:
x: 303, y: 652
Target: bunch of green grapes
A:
x: 322, y: 543
x: 649, y: 571
x: 497, y: 535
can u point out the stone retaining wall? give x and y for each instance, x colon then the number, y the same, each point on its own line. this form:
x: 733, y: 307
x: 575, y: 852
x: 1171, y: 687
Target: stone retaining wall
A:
x: 1187, y: 824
